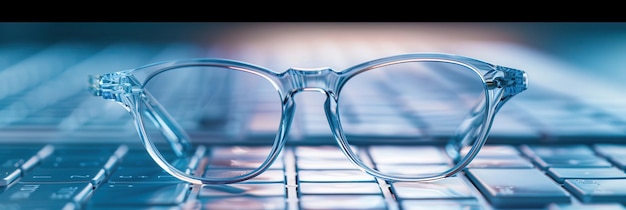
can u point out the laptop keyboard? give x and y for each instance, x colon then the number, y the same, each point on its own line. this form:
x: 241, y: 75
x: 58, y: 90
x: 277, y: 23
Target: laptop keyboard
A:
x: 48, y: 120
x: 314, y: 177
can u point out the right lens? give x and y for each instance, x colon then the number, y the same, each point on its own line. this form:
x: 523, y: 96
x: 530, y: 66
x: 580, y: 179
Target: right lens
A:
x: 414, y: 102
x: 232, y: 113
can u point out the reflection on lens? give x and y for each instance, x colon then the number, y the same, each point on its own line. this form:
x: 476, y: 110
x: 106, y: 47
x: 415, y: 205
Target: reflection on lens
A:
x: 422, y: 101
x: 222, y: 109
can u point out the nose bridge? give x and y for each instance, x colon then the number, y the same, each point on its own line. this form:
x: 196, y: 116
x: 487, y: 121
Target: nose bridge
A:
x: 312, y: 79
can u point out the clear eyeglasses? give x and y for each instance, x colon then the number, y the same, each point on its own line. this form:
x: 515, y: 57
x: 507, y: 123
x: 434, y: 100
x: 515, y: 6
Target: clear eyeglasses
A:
x: 217, y: 121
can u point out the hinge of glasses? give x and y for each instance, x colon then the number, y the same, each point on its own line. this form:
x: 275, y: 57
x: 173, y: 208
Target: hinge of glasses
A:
x: 110, y: 86
x: 516, y: 80
x: 513, y: 82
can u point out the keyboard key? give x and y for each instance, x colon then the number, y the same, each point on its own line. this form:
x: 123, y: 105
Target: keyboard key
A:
x: 556, y: 150
x: 79, y: 162
x: 133, y: 160
x: 267, y: 176
x: 586, y: 206
x: 597, y: 190
x: 271, y: 175
x: 500, y: 162
x: 517, y: 187
x: 239, y: 158
x: 334, y: 176
x: 412, y: 169
x: 572, y: 161
x: 139, y: 194
x: 316, y: 164
x: 338, y: 202
x: 256, y: 190
x: 241, y: 163
x: 140, y: 158
x: 141, y: 175
x: 242, y: 202
x: 462, y: 204
x: 308, y: 188
x: 259, y: 152
x: 495, y: 151
x: 52, y: 194
x: 408, y: 155
x: 321, y: 152
x: 560, y: 174
x: 88, y: 152
x: 449, y: 188
x: 65, y: 175
x: 79, y: 158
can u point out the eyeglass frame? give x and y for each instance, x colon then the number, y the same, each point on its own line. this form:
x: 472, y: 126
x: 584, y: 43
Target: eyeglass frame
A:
x: 127, y: 88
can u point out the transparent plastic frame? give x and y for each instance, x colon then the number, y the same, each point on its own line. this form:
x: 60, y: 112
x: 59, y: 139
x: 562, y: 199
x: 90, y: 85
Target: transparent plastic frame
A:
x: 127, y: 88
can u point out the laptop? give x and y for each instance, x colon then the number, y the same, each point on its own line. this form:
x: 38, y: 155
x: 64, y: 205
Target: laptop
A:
x: 557, y: 145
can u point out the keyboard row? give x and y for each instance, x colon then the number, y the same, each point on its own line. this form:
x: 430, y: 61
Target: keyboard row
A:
x: 315, y: 177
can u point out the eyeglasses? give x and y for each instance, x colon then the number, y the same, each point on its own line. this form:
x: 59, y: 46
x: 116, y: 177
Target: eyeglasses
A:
x: 217, y: 121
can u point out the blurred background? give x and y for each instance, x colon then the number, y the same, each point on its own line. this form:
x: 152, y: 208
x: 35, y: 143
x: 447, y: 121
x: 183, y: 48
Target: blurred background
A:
x: 595, y: 48
x: 576, y: 69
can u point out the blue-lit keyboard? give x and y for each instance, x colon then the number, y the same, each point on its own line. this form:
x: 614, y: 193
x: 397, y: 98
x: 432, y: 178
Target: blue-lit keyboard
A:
x: 81, y: 176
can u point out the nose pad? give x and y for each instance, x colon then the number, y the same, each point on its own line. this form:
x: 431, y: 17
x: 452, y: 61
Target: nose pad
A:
x: 309, y: 122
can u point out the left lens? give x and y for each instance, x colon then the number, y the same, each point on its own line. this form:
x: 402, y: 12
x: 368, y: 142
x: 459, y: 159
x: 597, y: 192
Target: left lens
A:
x: 234, y: 114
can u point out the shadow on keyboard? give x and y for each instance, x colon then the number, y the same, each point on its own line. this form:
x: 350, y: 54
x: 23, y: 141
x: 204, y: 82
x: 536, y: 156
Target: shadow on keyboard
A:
x: 559, y: 145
